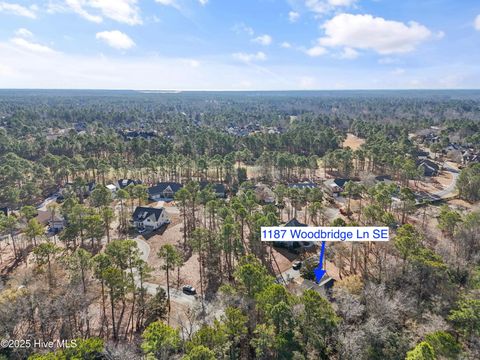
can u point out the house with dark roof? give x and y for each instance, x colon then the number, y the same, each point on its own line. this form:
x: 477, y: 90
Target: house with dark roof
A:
x: 421, y: 154
x: 387, y: 179
x: 429, y: 167
x: 294, y: 245
x: 218, y: 189
x: 132, y: 134
x: 303, y: 185
x: 123, y: 183
x: 335, y: 187
x: 147, y: 219
x: 86, y: 189
x: 164, y: 191
x: 294, y: 222
x: 470, y: 156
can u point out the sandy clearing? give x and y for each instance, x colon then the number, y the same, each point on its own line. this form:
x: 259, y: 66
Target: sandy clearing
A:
x: 434, y: 183
x: 189, y: 272
x: 353, y: 142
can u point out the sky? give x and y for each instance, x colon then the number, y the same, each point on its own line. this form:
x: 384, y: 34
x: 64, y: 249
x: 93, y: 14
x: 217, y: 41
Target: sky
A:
x: 240, y: 44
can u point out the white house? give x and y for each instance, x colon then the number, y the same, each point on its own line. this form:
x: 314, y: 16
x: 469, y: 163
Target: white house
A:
x: 147, y: 219
x: 112, y: 188
x: 335, y: 187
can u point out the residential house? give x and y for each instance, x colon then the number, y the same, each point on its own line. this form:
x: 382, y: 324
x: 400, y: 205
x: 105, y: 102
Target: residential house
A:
x: 335, y: 187
x: 55, y: 221
x: 123, y: 183
x: 294, y: 223
x: 112, y: 188
x: 470, y: 156
x: 294, y: 245
x: 132, y: 134
x: 429, y: 137
x: 80, y: 127
x: 218, y: 189
x: 164, y: 191
x: 87, y: 188
x: 422, y: 155
x: 429, y: 168
x: 264, y: 194
x: 303, y: 185
x: 148, y: 219
x: 90, y: 187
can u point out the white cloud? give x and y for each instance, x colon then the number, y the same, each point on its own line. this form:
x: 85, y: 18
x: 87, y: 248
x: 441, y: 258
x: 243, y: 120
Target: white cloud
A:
x: 24, y: 33
x: 30, y: 46
x: 325, y: 6
x: 191, y: 62
x: 341, y: 2
x: 116, y: 39
x: 349, y: 53
x: 123, y: 11
x: 374, y: 33
x: 17, y: 9
x: 203, y: 2
x: 26, y: 69
x: 286, y: 45
x: 317, y: 6
x: 77, y: 6
x: 243, y: 28
x: 293, y: 16
x: 263, y: 40
x: 316, y: 51
x: 170, y: 3
x: 247, y: 58
x: 477, y: 22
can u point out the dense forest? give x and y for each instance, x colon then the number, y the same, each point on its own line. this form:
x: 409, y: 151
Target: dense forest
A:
x: 415, y: 297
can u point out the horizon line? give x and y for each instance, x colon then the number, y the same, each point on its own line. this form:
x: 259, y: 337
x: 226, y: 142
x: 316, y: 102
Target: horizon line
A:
x: 172, y: 91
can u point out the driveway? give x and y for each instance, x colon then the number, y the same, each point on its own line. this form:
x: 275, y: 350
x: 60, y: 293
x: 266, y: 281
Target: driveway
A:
x: 448, y: 192
x: 451, y: 188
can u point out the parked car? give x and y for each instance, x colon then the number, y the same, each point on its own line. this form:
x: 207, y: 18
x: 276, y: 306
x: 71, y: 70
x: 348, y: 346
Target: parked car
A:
x: 296, y: 265
x: 189, y: 290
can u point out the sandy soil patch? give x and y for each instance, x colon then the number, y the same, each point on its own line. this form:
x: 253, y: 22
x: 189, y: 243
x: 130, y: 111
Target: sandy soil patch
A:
x: 434, y: 183
x: 189, y: 272
x: 460, y: 204
x: 353, y: 142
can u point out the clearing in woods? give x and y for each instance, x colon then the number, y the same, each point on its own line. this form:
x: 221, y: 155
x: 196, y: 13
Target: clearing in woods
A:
x: 353, y: 142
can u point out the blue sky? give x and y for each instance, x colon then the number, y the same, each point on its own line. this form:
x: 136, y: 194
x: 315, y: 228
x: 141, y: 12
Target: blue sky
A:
x: 240, y: 45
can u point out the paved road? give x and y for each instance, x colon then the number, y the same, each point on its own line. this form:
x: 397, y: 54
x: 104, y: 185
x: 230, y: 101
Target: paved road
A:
x: 450, y: 189
x: 175, y: 295
x: 44, y: 205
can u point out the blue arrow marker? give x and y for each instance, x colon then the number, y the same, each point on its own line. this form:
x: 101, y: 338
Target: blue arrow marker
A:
x: 320, y: 271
